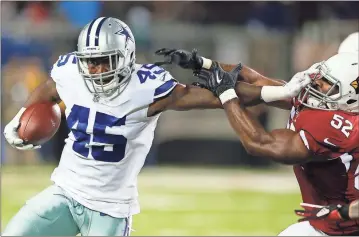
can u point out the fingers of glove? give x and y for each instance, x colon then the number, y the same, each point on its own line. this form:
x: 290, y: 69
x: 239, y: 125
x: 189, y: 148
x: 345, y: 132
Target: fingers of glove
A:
x: 314, y: 66
x: 17, y: 141
x: 194, y: 53
x: 176, y: 57
x: 204, y: 75
x: 198, y: 84
x: 164, y: 51
x: 13, y: 138
x: 28, y: 147
x: 235, y: 70
x: 313, y: 74
x: 296, y: 78
x: 37, y: 147
x: 305, y: 81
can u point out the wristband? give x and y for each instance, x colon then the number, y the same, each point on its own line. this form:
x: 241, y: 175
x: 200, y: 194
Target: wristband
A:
x: 344, y: 212
x: 273, y: 93
x: 228, y: 95
x: 207, y: 63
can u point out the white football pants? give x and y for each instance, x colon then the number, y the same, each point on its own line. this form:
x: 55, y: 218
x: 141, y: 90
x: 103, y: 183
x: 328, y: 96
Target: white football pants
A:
x: 301, y: 229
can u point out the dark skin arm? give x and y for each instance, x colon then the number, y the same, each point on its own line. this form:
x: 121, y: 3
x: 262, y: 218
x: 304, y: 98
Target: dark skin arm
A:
x: 182, y: 97
x: 46, y: 92
x: 187, y: 97
x: 191, y: 60
x: 252, y: 77
x: 280, y: 145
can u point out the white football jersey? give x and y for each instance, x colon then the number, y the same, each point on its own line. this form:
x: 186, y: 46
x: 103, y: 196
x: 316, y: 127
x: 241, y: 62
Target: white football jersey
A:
x: 109, y: 139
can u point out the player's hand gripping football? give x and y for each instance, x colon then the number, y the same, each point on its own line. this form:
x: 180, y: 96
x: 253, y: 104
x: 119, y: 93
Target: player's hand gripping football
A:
x: 12, y: 137
x: 183, y: 58
x: 316, y: 212
x: 217, y: 80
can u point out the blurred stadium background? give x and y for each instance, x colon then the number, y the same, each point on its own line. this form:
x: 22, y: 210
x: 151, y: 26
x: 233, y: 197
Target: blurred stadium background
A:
x: 198, y: 180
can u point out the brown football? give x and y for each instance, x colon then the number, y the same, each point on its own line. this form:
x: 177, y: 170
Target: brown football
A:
x: 39, y: 123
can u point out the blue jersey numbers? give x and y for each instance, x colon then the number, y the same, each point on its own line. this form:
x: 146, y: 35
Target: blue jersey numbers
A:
x: 64, y: 59
x: 103, y: 144
x: 149, y: 71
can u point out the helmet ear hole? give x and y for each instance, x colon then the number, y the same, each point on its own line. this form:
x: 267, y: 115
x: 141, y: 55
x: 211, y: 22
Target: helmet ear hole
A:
x: 351, y: 101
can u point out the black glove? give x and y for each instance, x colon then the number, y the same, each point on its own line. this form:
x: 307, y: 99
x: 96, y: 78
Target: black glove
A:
x: 218, y: 80
x: 331, y: 212
x: 183, y: 58
x: 199, y: 84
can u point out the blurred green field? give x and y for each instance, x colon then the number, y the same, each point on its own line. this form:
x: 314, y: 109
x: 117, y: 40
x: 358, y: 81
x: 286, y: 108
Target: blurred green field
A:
x: 182, y: 201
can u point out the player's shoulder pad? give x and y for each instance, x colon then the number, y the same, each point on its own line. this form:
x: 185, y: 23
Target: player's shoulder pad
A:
x: 66, y: 64
x: 154, y: 80
x: 329, y: 127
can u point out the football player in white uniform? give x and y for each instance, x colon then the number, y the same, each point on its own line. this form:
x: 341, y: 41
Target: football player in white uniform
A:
x: 112, y: 108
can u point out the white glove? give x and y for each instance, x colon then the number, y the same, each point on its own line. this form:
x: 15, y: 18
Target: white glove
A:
x: 289, y: 90
x: 298, y: 82
x: 12, y: 137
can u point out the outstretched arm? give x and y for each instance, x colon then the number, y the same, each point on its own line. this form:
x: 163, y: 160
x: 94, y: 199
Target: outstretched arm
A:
x: 251, y: 76
x: 192, y: 61
x: 281, y: 145
x: 187, y: 97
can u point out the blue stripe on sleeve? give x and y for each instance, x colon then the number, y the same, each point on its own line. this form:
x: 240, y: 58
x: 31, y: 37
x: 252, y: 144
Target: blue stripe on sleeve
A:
x: 165, y: 87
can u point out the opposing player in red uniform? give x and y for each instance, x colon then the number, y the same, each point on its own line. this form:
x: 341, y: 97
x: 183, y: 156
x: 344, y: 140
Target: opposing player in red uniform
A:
x: 321, y: 141
x: 324, y: 126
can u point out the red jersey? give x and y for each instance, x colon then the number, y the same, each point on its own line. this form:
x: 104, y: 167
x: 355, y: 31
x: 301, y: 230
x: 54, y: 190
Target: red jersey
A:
x: 334, y: 134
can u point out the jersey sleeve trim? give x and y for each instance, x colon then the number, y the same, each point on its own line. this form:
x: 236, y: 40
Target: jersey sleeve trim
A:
x: 165, y: 88
x: 304, y: 138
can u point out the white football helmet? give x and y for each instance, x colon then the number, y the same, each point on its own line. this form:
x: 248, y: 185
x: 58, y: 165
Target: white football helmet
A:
x: 342, y: 72
x: 109, y: 40
x: 350, y: 43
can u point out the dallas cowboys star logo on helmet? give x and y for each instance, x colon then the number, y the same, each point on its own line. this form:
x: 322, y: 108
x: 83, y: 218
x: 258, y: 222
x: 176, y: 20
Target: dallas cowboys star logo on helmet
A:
x: 124, y: 31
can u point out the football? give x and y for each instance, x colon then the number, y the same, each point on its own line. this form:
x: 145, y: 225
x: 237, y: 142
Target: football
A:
x: 39, y: 123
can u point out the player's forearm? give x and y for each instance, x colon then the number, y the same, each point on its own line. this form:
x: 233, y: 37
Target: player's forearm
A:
x: 249, y: 94
x: 252, y: 96
x: 251, y: 133
x: 46, y: 92
x: 193, y: 97
x: 250, y: 76
x: 257, y: 141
